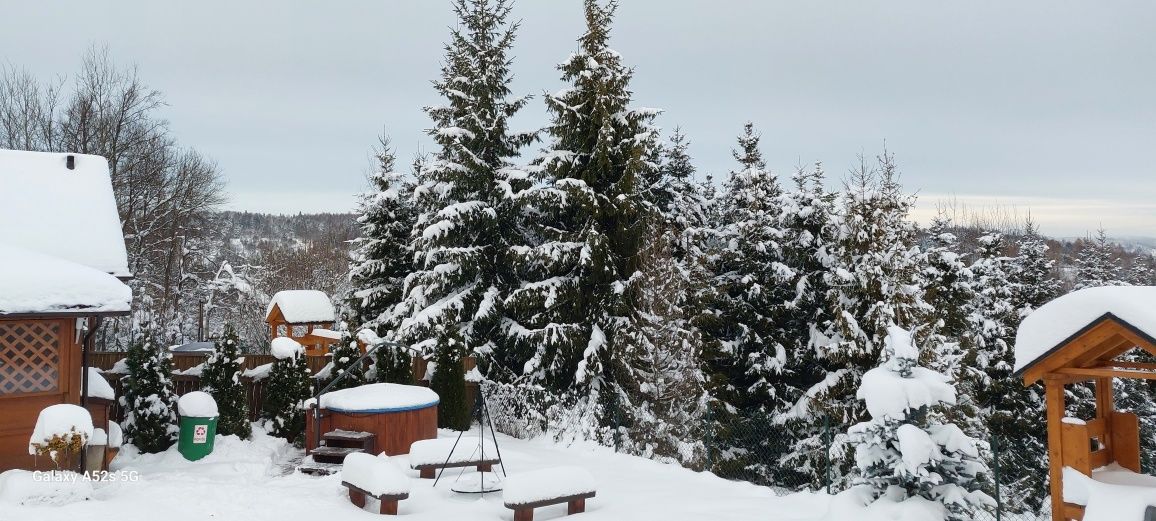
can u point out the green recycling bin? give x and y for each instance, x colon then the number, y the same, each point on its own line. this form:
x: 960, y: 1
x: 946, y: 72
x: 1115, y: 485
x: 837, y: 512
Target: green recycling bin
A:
x: 198, y: 425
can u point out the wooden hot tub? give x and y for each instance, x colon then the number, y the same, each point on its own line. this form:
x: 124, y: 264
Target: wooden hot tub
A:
x: 397, y: 415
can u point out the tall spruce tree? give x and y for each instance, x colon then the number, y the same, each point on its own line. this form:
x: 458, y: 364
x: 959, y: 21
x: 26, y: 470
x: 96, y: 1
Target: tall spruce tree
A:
x: 147, y: 398
x: 465, y: 225
x: 873, y: 284
x: 1098, y: 263
x: 808, y: 222
x: 747, y: 351
x: 588, y: 218
x: 949, y: 288
x: 221, y: 378
x: 382, y: 257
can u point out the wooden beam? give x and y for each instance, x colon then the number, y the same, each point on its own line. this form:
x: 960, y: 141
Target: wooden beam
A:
x: 1105, y: 372
x: 1130, y: 365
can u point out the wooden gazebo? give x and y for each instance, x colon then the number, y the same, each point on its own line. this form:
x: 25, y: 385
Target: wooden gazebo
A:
x: 306, y: 316
x: 1108, y: 322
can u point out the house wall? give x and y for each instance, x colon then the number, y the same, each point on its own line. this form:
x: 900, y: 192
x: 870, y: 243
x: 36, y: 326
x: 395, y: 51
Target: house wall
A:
x: 39, y: 366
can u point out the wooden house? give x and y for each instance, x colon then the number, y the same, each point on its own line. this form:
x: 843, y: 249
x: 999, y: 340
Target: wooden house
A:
x: 1083, y: 338
x: 306, y: 316
x: 63, y: 268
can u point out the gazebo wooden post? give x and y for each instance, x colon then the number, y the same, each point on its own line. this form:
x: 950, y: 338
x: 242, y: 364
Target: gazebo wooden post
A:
x: 1105, y: 408
x: 1054, y: 397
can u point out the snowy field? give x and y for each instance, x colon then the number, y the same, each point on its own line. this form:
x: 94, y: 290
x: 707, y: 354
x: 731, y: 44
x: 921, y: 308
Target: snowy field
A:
x: 254, y: 481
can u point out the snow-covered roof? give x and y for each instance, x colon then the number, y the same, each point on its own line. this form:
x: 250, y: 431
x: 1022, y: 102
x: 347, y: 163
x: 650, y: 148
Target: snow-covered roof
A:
x: 70, y: 214
x: 1057, y: 321
x: 32, y: 282
x: 303, y: 305
x: 193, y: 347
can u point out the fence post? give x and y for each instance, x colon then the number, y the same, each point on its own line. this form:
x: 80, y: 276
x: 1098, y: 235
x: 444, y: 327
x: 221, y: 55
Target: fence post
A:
x: 827, y: 449
x: 709, y: 438
x: 617, y: 425
x: 995, y: 475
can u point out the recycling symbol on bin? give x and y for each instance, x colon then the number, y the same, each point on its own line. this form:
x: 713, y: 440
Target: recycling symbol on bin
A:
x: 200, y: 433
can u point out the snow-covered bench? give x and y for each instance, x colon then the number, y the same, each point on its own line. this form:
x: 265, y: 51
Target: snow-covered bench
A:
x: 529, y: 490
x: 377, y: 477
x: 426, y: 456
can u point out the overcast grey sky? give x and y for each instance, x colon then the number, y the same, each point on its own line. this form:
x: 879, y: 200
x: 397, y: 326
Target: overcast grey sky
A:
x: 1047, y: 106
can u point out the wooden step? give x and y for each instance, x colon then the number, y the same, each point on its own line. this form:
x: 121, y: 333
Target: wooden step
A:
x: 343, y: 435
x: 314, y: 468
x: 327, y: 454
x: 354, y: 439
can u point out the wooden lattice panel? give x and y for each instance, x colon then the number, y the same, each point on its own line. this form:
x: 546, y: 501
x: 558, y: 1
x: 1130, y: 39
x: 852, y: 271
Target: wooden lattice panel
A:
x: 29, y: 357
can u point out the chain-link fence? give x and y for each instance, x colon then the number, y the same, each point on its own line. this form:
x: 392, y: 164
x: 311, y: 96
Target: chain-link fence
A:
x: 752, y: 447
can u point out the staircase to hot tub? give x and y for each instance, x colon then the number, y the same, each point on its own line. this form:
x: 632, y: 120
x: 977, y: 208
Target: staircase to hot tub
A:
x: 335, y: 446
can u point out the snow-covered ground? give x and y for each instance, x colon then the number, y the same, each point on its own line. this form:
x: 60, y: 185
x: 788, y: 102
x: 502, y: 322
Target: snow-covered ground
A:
x: 253, y: 481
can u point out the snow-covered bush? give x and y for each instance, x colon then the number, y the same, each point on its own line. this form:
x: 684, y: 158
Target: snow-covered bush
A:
x: 222, y: 379
x: 288, y: 385
x: 147, y: 397
x: 61, y: 432
x: 346, y: 356
x: 907, y: 449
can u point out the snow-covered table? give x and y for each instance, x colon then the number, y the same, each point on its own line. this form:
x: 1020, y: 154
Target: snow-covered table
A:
x: 377, y: 477
x: 429, y: 455
x: 1112, y: 493
x: 553, y: 486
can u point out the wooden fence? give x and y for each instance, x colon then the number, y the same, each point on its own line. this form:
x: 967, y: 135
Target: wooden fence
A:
x: 254, y: 389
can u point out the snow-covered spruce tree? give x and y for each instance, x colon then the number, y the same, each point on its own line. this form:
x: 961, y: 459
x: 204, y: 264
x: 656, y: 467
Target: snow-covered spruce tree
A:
x: 147, y: 398
x: 286, y: 388
x: 345, y: 355
x: 752, y: 285
x: 221, y: 378
x: 466, y: 222
x: 808, y: 222
x: 588, y: 217
x: 382, y: 257
x: 393, y: 365
x: 1034, y: 272
x: 1098, y: 263
x: 448, y: 381
x: 873, y: 283
x: 907, y: 448
x: 1142, y: 271
x: 948, y: 285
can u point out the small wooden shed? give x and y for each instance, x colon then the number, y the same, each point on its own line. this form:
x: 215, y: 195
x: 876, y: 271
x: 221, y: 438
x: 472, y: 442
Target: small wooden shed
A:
x: 306, y: 316
x: 1079, y: 338
x: 62, y: 271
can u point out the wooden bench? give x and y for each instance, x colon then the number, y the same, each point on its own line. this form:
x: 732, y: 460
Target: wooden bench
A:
x: 575, y: 504
x: 377, y: 477
x: 388, y: 501
x: 427, y: 456
x: 554, y: 486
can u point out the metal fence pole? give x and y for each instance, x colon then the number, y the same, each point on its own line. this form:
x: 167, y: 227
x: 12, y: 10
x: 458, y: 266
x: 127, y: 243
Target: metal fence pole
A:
x: 995, y: 475
x: 709, y: 438
x: 827, y: 449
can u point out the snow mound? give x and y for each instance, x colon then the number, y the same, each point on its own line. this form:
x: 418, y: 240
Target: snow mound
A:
x: 115, y: 435
x: 889, y: 395
x: 20, y: 487
x: 435, y: 452
x: 284, y: 347
x: 374, y: 474
x: 550, y: 483
x: 303, y: 305
x: 62, y: 419
x: 197, y: 404
x: 32, y: 282
x: 98, y: 387
x: 1056, y: 321
x: 65, y: 214
x: 382, y: 397
x: 258, y: 373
